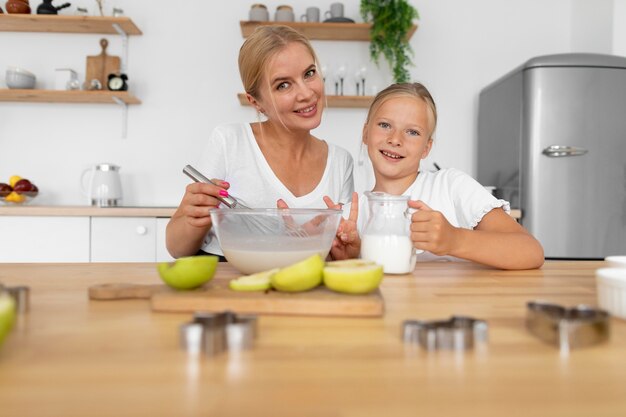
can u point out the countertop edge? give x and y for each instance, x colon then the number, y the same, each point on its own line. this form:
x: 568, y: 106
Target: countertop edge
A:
x: 87, y: 211
x: 109, y: 211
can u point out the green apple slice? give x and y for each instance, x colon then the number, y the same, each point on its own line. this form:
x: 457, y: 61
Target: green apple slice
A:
x: 189, y: 272
x: 353, y: 276
x: 301, y: 276
x: 260, y: 281
x: 7, y: 314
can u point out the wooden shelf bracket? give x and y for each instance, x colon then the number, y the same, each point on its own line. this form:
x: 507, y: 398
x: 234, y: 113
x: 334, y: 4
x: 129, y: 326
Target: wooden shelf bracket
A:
x: 124, y: 36
x: 124, y: 115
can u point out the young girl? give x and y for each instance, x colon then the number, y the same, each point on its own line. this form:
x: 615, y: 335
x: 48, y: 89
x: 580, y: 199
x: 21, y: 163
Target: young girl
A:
x: 454, y: 216
x: 277, y: 159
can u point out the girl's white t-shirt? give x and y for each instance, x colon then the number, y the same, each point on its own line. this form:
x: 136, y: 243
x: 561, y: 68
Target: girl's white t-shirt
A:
x: 458, y: 196
x: 232, y: 154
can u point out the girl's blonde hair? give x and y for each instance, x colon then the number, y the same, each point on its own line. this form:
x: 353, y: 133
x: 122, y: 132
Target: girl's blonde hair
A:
x: 260, y: 47
x: 415, y: 90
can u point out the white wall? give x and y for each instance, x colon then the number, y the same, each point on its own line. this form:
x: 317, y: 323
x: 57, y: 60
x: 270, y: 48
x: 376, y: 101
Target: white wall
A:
x: 592, y: 26
x: 619, y: 27
x: 184, y: 69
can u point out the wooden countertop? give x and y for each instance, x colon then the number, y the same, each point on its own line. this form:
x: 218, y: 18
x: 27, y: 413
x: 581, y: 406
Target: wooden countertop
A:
x: 73, y: 357
x: 106, y: 211
x: 121, y: 211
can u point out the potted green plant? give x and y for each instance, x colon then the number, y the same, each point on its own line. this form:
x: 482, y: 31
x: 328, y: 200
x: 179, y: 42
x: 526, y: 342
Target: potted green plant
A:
x: 391, y: 22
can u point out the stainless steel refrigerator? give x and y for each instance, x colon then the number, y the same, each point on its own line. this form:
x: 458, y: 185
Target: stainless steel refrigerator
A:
x: 552, y: 139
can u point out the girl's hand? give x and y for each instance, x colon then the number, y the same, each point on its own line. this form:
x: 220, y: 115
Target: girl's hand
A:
x: 431, y: 231
x: 199, y: 198
x: 347, y: 243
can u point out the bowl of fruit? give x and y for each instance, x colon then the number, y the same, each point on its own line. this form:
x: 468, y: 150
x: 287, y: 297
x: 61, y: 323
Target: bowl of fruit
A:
x: 18, y: 191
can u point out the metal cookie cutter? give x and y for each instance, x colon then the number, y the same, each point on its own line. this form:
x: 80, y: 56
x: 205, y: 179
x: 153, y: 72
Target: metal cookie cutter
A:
x: 567, y: 327
x: 458, y: 333
x: 21, y: 295
x: 212, y: 333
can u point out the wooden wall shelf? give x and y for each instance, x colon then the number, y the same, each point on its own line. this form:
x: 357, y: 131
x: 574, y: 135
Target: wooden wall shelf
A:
x: 322, y: 31
x: 66, y: 24
x: 70, y: 96
x: 361, y: 102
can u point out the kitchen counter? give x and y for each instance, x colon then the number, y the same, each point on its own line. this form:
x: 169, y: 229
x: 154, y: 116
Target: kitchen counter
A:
x: 107, y: 211
x: 92, y: 211
x: 71, y: 356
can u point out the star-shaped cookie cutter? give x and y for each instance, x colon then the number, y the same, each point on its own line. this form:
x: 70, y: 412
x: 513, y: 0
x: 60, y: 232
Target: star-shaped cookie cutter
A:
x: 21, y: 295
x: 567, y: 327
x: 458, y: 333
x: 213, y: 333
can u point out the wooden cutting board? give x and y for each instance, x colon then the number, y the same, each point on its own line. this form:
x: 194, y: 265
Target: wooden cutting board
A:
x: 100, y: 66
x: 216, y: 296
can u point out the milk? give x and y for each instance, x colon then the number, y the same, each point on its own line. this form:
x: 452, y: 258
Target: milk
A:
x: 394, y: 252
x: 252, y: 261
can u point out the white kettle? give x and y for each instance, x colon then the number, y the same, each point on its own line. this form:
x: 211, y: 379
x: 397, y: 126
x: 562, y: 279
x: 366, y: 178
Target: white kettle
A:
x: 102, y: 185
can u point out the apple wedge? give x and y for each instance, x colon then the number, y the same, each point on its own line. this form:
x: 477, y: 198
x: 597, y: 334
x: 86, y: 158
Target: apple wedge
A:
x: 260, y: 281
x: 353, y: 276
x: 189, y: 272
x: 301, y: 276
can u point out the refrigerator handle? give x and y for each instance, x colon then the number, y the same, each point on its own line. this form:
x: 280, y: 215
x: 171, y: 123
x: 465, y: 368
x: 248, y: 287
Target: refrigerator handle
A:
x: 555, y: 151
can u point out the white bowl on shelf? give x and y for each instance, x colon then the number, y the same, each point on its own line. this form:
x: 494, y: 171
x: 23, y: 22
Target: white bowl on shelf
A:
x: 19, y: 78
x: 611, y: 285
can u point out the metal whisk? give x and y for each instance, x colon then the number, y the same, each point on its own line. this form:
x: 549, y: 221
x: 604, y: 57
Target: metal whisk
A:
x: 231, y: 202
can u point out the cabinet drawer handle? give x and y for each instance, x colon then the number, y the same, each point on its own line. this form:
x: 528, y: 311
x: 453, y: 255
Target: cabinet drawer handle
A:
x: 555, y: 151
x: 141, y: 230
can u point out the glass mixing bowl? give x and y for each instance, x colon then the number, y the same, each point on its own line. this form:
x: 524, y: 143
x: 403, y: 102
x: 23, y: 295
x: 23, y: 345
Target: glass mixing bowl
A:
x: 255, y: 240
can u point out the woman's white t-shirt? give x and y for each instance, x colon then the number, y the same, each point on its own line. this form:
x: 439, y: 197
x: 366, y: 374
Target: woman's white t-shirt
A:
x: 232, y: 154
x: 459, y: 197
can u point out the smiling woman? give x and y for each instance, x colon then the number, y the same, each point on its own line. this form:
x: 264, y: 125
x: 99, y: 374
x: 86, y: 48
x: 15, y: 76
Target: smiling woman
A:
x: 274, y: 160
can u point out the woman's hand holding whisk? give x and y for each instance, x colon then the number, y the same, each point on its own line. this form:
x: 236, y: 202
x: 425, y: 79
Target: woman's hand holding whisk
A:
x: 199, y: 198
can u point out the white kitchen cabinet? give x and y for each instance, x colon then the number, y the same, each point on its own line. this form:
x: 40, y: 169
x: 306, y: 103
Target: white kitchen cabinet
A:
x: 123, y: 239
x: 44, y: 239
x: 162, y: 255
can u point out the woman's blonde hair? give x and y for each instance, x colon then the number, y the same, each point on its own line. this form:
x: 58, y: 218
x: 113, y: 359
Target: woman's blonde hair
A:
x: 415, y: 90
x: 260, y: 47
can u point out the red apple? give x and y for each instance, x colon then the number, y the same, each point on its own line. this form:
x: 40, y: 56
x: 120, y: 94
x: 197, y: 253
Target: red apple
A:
x: 33, y: 192
x: 5, y: 189
x: 22, y: 186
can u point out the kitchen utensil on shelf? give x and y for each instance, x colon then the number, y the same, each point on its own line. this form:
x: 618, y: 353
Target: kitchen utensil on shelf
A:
x: 19, y: 78
x: 312, y: 14
x: 216, y: 296
x: 335, y: 11
x: 284, y: 13
x: 100, y: 66
x: 567, y: 327
x: 102, y: 185
x: 260, y: 224
x: 48, y: 8
x: 68, y: 84
x: 258, y: 13
x: 457, y: 333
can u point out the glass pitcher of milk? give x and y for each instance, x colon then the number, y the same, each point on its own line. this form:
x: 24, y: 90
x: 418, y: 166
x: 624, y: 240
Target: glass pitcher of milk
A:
x: 385, y: 239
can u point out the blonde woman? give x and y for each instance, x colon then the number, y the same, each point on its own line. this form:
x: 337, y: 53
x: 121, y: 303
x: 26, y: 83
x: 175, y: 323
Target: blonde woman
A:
x: 276, y: 161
